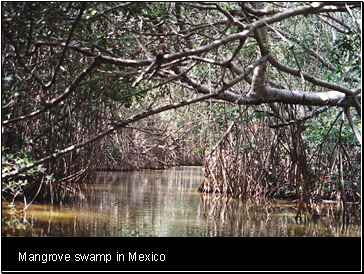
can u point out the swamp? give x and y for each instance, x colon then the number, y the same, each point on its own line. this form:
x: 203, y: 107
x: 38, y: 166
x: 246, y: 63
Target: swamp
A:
x: 156, y: 203
x: 181, y: 119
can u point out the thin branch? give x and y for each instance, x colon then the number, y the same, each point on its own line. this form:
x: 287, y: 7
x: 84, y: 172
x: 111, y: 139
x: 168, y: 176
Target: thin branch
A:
x: 357, y: 28
x: 103, y: 59
x: 231, y: 18
x: 298, y: 120
x: 261, y: 12
x: 123, y: 5
x: 309, y: 77
x: 56, y: 100
x: 83, y: 6
x: 20, y: 58
x: 108, y: 75
x: 122, y: 124
x: 352, y: 124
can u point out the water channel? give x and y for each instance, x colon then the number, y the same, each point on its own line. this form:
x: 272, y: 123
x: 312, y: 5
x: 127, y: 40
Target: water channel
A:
x: 158, y: 203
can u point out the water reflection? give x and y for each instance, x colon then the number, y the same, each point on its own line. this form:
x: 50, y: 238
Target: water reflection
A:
x: 268, y: 218
x: 164, y: 203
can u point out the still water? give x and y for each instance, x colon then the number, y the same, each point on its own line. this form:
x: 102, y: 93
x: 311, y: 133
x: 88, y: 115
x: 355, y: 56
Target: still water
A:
x: 151, y: 203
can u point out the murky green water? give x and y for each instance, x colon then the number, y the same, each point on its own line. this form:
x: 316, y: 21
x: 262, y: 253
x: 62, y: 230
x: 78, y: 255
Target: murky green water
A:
x: 165, y: 203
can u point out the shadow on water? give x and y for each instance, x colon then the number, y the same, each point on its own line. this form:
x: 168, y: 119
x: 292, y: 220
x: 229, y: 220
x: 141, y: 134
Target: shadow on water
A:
x: 151, y: 203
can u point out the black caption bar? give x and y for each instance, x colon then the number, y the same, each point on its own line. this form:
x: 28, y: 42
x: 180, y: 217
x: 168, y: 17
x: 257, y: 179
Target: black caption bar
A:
x: 180, y: 254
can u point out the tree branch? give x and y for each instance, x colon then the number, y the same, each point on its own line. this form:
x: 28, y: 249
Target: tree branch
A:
x: 295, y: 121
x: 352, y: 124
x: 57, y: 100
x: 270, y: 95
x: 122, y: 124
x: 83, y: 6
x: 309, y: 77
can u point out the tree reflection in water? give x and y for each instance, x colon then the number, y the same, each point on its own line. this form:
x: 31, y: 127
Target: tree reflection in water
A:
x: 152, y: 203
x: 270, y: 218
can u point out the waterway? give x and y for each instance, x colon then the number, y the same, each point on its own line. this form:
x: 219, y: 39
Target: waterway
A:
x: 166, y: 203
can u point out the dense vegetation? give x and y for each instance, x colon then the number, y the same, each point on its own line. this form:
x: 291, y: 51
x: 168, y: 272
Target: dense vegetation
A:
x: 265, y: 95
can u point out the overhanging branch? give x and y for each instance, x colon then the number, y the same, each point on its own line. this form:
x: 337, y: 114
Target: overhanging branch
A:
x: 106, y: 132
